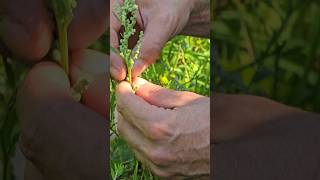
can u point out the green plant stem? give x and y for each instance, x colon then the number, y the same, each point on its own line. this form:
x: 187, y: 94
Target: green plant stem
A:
x: 129, y: 76
x: 63, y: 45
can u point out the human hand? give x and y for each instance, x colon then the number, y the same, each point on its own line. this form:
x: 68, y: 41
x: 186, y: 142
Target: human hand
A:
x: 93, y: 65
x: 27, y: 28
x: 53, y: 123
x: 160, y: 21
x: 168, y: 131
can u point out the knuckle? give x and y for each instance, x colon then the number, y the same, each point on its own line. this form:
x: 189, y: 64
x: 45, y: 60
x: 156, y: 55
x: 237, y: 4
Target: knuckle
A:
x: 159, y: 130
x: 169, y: 18
x: 159, y: 157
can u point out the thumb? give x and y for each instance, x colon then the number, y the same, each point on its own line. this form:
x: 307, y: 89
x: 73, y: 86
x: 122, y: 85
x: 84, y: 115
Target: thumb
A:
x: 155, y: 36
x: 162, y: 97
x: 26, y: 28
x: 45, y: 82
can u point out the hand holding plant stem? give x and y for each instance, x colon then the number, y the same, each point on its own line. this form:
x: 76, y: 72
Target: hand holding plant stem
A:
x: 162, y: 125
x: 127, y: 14
x: 62, y: 10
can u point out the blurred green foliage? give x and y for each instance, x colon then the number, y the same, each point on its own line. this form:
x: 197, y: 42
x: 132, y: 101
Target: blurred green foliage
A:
x: 11, y: 74
x: 269, y: 48
x: 184, y: 65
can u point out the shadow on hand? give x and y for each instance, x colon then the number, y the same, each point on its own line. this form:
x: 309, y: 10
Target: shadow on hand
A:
x: 285, y: 148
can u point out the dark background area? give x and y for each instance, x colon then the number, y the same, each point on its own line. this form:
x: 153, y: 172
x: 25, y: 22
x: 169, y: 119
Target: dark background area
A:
x: 12, y: 73
x: 268, y: 48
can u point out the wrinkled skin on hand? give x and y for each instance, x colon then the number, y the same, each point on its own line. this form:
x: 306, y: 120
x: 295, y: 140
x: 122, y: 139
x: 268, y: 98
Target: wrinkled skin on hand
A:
x: 160, y: 21
x: 169, y: 131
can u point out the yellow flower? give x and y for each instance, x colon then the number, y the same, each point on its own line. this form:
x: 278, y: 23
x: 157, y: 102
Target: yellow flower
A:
x: 164, y: 80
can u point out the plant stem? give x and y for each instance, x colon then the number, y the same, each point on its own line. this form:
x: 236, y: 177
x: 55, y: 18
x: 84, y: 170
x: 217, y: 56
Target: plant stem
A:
x: 63, y: 45
x: 129, y: 76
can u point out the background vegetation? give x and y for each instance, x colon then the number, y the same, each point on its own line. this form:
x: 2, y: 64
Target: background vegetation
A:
x: 11, y: 75
x: 269, y: 48
x: 184, y: 65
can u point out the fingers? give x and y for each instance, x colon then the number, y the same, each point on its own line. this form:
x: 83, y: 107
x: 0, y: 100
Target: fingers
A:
x: 133, y: 107
x: 138, y: 112
x: 92, y: 65
x: 158, y: 171
x: 156, y: 34
x: 89, y: 23
x: 162, y: 97
x: 115, y: 25
x: 44, y: 81
x: 117, y: 68
x: 143, y: 148
x: 25, y: 28
x: 89, y: 61
x: 95, y: 97
x: 52, y: 122
x: 133, y: 136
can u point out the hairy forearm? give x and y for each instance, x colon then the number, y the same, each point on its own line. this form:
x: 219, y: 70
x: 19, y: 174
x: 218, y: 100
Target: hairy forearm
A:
x: 236, y: 115
x: 199, y: 21
x: 67, y: 142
